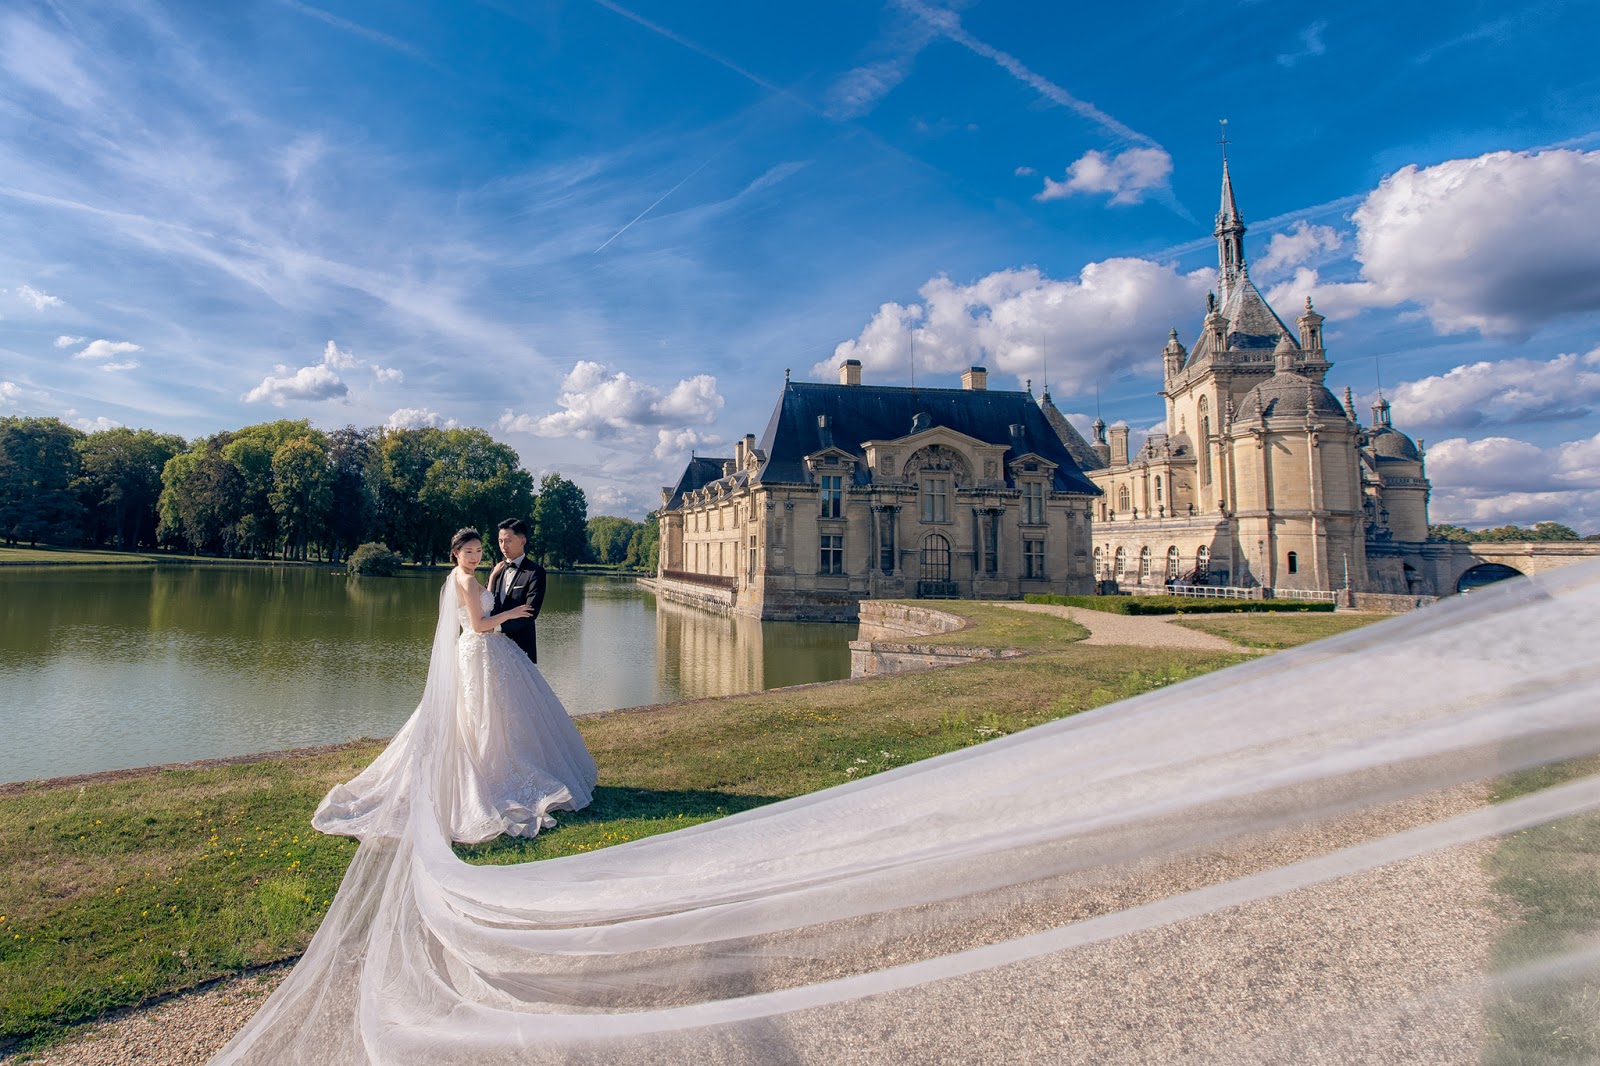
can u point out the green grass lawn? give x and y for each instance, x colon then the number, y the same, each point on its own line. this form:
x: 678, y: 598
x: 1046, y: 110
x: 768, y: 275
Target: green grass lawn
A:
x: 1276, y: 631
x: 113, y: 892
x: 1549, y: 881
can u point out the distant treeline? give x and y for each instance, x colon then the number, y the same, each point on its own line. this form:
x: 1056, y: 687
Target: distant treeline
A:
x: 284, y: 489
x: 1539, y: 531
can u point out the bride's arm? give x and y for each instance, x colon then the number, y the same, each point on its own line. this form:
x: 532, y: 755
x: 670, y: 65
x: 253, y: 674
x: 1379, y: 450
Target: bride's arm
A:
x: 469, y: 594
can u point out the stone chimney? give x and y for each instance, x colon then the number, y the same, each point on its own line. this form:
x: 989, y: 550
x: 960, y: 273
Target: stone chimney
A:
x: 975, y: 378
x: 739, y: 453
x: 747, y: 458
x: 850, y: 372
x: 728, y: 468
x: 1119, y: 445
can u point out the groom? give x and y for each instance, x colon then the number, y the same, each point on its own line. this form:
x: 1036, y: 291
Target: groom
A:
x: 520, y: 581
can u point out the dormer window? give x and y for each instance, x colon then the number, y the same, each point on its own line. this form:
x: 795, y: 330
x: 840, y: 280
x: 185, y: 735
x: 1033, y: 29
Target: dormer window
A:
x: 1033, y: 502
x: 832, y: 495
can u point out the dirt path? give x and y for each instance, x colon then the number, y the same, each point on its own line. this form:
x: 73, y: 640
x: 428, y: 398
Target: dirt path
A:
x: 1144, y: 631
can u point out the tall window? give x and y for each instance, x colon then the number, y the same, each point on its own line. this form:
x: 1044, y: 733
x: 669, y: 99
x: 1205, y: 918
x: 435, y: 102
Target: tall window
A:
x: 832, y: 495
x: 1174, y: 563
x: 1158, y: 491
x: 1122, y: 497
x: 1033, y: 502
x: 832, y: 560
x: 1099, y: 563
x: 752, y: 572
x: 886, y: 541
x: 1032, y: 558
x: 1294, y: 563
x: 1144, y: 565
x: 1202, y: 561
x: 935, y: 558
x: 1121, y: 565
x: 936, y: 499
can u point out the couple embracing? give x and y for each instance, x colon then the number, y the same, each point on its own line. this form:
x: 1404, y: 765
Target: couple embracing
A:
x: 508, y: 752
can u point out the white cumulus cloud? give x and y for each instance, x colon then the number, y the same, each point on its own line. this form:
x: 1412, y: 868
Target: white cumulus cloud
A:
x: 10, y: 393
x: 1108, y: 321
x: 678, y: 443
x: 116, y: 368
x: 1299, y: 244
x: 65, y: 341
x: 419, y: 418
x: 597, y: 403
x: 36, y: 299
x: 97, y: 425
x: 1126, y: 176
x: 1502, y: 392
x: 1500, y: 244
x: 104, y: 349
x: 306, y: 383
x: 1500, y: 480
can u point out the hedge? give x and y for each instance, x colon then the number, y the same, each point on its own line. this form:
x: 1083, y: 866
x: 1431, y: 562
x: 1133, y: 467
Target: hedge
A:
x: 1174, y: 604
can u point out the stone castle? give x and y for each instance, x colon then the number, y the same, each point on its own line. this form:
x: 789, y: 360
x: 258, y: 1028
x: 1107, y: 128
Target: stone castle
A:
x: 1261, y: 483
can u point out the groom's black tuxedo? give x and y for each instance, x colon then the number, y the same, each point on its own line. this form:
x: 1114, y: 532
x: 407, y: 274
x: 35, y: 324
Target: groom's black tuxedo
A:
x: 526, y: 587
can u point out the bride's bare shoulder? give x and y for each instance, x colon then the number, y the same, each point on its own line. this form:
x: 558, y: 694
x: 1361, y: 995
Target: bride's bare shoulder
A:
x: 466, y: 584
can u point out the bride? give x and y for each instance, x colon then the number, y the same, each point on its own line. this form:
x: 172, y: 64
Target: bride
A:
x: 508, y: 754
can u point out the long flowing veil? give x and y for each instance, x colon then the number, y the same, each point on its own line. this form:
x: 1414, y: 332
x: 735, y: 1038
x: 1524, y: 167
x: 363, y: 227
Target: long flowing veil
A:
x: 954, y: 909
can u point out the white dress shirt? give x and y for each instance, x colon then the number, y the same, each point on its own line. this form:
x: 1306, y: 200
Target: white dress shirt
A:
x: 511, y: 573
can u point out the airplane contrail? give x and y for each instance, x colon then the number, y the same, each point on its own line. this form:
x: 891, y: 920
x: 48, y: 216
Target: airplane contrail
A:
x: 653, y: 206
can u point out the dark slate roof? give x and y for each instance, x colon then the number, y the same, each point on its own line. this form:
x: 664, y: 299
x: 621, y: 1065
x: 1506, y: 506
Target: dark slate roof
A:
x: 859, y: 413
x: 697, y: 475
x: 1389, y: 443
x: 1076, y: 446
x: 1287, y: 393
x: 1251, y: 322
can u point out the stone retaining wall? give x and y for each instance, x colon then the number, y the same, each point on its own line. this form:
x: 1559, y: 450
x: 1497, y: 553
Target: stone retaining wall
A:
x: 706, y: 597
x: 879, y: 652
x: 1389, y: 603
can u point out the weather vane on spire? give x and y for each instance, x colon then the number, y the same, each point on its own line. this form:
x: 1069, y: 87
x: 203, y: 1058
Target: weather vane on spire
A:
x: 1224, y: 141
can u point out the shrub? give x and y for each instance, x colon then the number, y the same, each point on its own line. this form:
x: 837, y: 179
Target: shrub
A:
x: 1174, y: 604
x: 374, y: 560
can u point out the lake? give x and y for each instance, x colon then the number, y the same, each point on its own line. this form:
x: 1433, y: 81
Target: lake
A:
x: 103, y: 668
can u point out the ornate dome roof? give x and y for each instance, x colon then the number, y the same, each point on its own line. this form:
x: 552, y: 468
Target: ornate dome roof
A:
x: 1287, y: 394
x: 1389, y: 443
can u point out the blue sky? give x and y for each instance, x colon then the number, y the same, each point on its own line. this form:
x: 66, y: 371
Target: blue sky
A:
x: 604, y: 230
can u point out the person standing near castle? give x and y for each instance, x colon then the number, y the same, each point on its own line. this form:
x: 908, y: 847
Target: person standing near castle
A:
x: 518, y: 581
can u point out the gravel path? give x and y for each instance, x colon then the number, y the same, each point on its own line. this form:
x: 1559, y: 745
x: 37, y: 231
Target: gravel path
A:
x: 1145, y: 631
x: 1379, y: 967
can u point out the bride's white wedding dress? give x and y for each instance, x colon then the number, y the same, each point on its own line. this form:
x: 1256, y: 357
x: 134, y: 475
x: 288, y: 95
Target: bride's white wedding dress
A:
x: 510, y: 755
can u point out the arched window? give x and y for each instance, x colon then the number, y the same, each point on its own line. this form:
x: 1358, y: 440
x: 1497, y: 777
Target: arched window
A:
x: 1158, y: 490
x: 1122, y: 497
x: 1144, y: 565
x: 1173, y: 563
x: 1294, y: 563
x: 1099, y: 563
x: 1121, y: 565
x: 935, y: 558
x: 1202, y: 561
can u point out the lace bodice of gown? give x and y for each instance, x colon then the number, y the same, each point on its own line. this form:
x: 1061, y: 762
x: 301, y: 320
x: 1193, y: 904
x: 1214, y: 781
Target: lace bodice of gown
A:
x: 486, y: 603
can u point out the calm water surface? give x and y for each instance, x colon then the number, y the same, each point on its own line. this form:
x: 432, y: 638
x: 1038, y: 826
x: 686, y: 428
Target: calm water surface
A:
x: 104, y: 668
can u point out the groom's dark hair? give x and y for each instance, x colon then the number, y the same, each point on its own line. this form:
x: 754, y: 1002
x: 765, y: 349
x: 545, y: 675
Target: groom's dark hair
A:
x: 516, y: 525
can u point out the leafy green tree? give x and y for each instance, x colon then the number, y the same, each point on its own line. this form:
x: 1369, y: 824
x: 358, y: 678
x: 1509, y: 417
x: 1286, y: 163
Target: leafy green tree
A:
x: 1552, y: 531
x: 401, y: 461
x: 353, y: 511
x: 302, y: 491
x: 560, y: 522
x: 644, y: 549
x: 203, y: 499
x: 120, y: 483
x: 1448, y: 532
x: 609, y: 538
x: 474, y: 480
x: 38, y: 465
x: 251, y: 450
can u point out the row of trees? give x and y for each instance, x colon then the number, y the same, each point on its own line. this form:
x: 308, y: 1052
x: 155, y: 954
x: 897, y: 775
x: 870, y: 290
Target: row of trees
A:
x: 1539, y: 531
x: 623, y: 542
x: 277, y: 489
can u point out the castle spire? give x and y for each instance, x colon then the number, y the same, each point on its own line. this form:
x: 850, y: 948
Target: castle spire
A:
x: 1229, y: 230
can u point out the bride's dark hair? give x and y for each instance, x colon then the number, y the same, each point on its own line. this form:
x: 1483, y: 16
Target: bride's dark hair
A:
x: 463, y: 537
